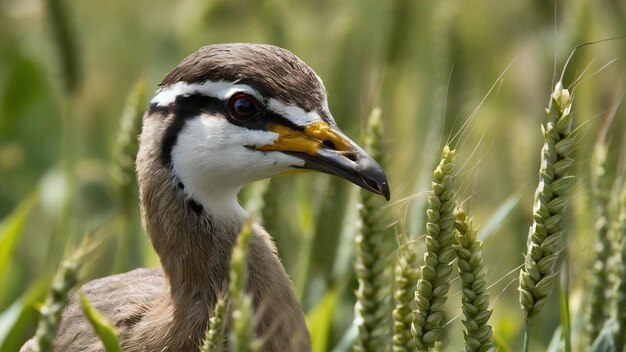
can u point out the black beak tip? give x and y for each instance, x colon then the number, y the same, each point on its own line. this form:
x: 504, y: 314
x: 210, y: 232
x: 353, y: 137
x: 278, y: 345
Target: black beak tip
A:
x: 384, y: 190
x: 381, y: 186
x: 374, y: 180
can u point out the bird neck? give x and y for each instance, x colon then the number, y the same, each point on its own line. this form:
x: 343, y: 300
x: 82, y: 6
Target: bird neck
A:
x: 194, y: 245
x: 212, y: 197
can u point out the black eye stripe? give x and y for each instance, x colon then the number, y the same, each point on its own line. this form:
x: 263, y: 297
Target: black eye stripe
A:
x: 182, y: 109
x: 190, y: 106
x: 272, y: 117
x: 154, y: 109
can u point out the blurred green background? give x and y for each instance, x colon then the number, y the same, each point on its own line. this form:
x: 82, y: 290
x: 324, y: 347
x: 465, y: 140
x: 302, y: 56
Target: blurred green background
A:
x: 476, y: 73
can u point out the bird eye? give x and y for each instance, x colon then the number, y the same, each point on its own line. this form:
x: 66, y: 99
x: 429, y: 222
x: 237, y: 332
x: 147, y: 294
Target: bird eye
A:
x: 243, y: 106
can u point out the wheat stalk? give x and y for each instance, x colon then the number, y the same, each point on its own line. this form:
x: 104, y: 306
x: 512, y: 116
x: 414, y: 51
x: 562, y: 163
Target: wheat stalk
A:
x: 478, y: 334
x: 372, y: 305
x: 125, y: 148
x: 64, y: 281
x: 241, y: 337
x: 406, y: 277
x: 599, y: 274
x: 432, y: 287
x: 545, y: 237
x: 619, y: 307
x: 214, y: 338
x: 66, y: 42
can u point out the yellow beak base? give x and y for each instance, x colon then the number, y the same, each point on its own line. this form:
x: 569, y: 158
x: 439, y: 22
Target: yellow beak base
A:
x: 307, y: 141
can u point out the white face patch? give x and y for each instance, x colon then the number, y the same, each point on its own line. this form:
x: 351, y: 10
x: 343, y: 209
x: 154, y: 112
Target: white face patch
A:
x: 212, y: 161
x: 210, y: 156
x: 220, y: 89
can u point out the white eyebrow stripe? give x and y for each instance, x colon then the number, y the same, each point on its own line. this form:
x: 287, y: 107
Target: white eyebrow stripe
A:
x: 325, y: 108
x: 293, y: 113
x: 217, y: 89
x: 223, y: 90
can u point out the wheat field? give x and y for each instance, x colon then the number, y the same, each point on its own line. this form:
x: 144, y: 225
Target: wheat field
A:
x: 506, y: 228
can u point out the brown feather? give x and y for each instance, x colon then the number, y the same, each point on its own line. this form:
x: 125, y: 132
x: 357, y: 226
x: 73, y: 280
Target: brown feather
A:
x: 168, y: 309
x: 274, y: 71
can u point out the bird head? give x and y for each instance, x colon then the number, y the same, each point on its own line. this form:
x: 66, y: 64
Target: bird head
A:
x: 231, y: 114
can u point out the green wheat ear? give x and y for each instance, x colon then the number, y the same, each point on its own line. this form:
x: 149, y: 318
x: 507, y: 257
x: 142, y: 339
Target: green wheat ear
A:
x: 545, y: 238
x: 372, y: 306
x: 126, y: 145
x: 65, y: 39
x: 64, y: 281
x: 214, y: 338
x: 406, y: 277
x: 600, y: 270
x: 619, y: 310
x: 242, y: 336
x: 433, y: 286
x: 478, y: 334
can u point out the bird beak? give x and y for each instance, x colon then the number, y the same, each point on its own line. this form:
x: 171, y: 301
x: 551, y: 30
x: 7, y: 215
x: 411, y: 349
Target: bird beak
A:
x: 327, y: 149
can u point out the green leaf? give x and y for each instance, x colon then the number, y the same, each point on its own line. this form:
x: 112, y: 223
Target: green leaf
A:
x: 501, y: 343
x: 16, y: 320
x: 9, y: 317
x: 24, y: 85
x: 555, y: 341
x: 104, y: 330
x: 11, y: 228
x: 346, y: 342
x: 319, y: 319
x: 499, y: 216
x: 604, y: 342
x: 565, y: 319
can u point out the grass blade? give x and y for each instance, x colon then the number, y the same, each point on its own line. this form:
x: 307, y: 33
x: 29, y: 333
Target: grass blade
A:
x: 555, y: 341
x: 122, y: 171
x: 21, y: 315
x: 11, y: 229
x: 565, y: 318
x: 347, y: 339
x: 103, y: 329
x: 604, y: 342
x: 499, y: 216
x: 319, y: 321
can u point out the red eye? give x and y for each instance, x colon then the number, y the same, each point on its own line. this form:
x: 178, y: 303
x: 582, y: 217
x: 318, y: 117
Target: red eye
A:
x: 243, y: 105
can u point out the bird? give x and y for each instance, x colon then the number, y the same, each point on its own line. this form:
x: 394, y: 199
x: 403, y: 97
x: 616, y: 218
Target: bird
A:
x: 225, y: 116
